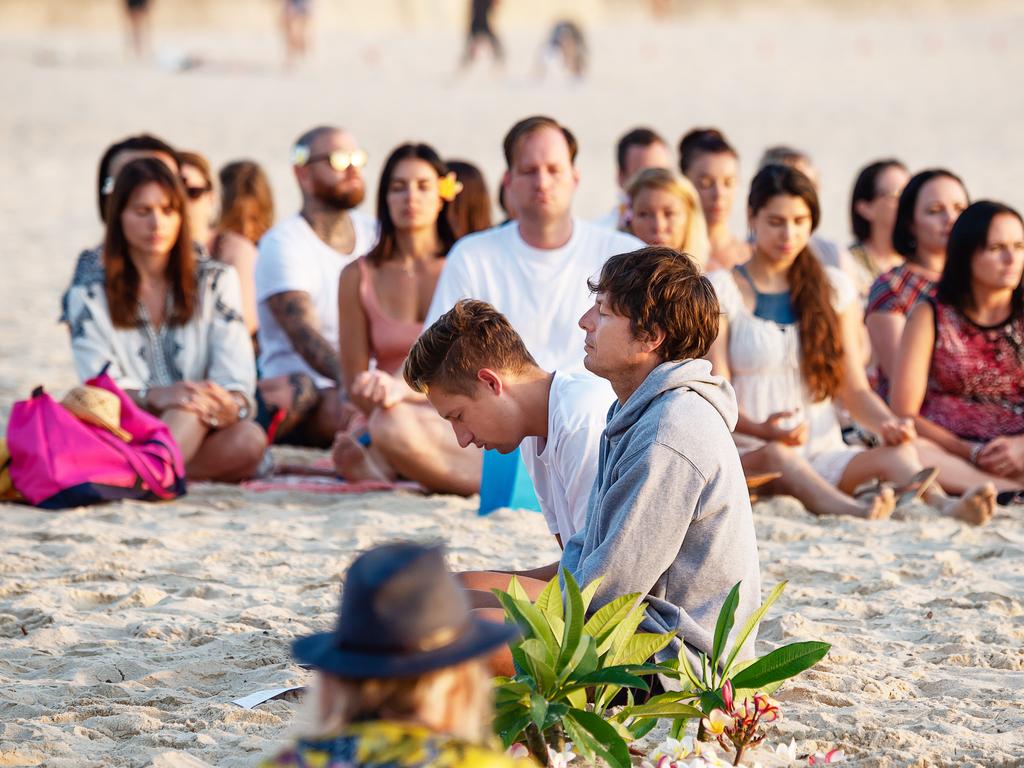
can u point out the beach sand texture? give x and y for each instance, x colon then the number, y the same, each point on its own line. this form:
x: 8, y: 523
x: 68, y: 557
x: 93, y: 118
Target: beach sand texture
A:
x: 126, y: 630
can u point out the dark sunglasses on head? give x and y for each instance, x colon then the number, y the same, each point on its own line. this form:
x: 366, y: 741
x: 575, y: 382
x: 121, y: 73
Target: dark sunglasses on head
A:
x: 194, y: 193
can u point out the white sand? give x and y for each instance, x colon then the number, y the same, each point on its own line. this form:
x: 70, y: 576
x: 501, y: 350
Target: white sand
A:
x: 126, y: 630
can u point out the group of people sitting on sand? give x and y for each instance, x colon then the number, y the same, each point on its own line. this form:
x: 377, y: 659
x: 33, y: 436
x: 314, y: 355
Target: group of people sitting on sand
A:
x: 865, y: 376
x: 646, y: 367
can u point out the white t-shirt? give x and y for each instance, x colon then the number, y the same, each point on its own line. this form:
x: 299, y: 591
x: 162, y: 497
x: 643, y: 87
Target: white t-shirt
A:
x: 293, y: 258
x: 543, y: 292
x: 564, y: 465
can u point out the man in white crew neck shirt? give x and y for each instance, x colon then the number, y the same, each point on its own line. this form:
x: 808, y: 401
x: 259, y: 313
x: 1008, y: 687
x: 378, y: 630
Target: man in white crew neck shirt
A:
x: 478, y: 375
x: 534, y: 270
x: 637, y: 150
x: 297, y: 272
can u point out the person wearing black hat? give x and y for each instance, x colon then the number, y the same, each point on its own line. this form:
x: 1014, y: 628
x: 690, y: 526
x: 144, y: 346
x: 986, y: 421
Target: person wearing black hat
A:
x: 401, y: 677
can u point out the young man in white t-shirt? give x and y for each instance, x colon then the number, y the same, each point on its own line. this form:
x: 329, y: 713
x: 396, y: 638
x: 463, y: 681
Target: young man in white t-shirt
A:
x: 637, y: 150
x: 477, y: 373
x: 297, y: 273
x: 534, y: 270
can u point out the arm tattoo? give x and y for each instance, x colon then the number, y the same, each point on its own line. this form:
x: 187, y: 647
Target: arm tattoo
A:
x: 294, y: 312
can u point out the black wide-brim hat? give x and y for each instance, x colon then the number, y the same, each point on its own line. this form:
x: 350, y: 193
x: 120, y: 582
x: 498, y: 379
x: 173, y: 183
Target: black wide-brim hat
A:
x: 402, y: 615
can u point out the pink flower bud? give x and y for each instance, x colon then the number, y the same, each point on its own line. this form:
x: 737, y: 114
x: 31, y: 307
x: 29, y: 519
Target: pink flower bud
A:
x: 727, y: 695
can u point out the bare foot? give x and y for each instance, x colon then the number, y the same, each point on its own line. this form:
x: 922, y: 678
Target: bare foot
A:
x: 878, y: 506
x: 353, y: 462
x: 976, y: 506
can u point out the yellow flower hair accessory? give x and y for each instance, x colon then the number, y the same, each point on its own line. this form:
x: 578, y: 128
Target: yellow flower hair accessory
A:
x: 448, y: 187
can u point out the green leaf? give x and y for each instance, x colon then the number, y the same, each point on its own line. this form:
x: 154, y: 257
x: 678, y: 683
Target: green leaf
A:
x: 549, y: 602
x: 607, y: 618
x: 589, y: 591
x: 781, y: 664
x: 516, y: 591
x: 509, y: 727
x: 538, y: 661
x: 726, y: 618
x: 663, y: 709
x: 530, y: 620
x: 711, y: 700
x: 641, y: 647
x: 625, y: 630
x: 641, y: 728
x: 577, y: 698
x: 574, y: 615
x: 614, y: 675
x: 752, y: 621
x: 583, y: 661
x: 684, y: 664
x: 596, y: 738
x: 538, y: 710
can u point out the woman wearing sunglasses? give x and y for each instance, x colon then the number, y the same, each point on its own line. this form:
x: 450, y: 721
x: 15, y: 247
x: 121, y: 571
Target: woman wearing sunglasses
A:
x: 201, y: 202
x: 383, y: 299
x: 170, y: 327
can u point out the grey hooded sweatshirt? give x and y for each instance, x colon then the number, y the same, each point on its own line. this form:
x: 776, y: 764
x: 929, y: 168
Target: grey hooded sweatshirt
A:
x: 669, y: 515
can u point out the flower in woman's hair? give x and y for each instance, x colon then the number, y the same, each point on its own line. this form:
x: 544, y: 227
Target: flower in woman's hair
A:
x: 448, y: 187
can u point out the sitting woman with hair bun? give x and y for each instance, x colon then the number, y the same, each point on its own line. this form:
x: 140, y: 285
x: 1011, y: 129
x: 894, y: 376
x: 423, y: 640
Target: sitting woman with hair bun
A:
x: 788, y: 341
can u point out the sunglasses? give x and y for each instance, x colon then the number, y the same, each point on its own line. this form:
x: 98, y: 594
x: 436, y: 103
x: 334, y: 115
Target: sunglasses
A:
x: 341, y: 160
x: 194, y: 193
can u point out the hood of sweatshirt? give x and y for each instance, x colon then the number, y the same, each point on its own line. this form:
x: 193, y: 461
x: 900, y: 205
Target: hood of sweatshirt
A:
x: 693, y: 375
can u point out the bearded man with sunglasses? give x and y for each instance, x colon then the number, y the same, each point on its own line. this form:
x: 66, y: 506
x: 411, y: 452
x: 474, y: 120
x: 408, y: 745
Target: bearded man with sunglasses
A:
x: 297, y: 273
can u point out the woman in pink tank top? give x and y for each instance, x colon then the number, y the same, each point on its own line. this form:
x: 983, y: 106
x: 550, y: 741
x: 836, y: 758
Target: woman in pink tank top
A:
x: 384, y: 296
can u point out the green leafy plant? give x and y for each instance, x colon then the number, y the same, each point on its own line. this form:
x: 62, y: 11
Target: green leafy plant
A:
x: 704, y: 683
x: 571, y: 672
x: 570, y: 669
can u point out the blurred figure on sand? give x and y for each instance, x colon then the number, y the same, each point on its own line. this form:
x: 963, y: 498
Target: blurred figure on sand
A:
x: 295, y: 24
x: 566, y: 48
x: 481, y: 34
x: 137, y: 15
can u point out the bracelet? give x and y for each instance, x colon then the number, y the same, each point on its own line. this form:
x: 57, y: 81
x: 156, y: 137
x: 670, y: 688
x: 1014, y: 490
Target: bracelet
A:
x: 976, y: 450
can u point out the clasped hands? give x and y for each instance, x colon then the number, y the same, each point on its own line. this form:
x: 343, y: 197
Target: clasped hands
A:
x: 215, y: 406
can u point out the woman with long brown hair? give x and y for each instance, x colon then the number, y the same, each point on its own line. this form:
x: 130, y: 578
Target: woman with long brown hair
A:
x: 789, y: 343
x: 170, y: 327
x: 383, y: 299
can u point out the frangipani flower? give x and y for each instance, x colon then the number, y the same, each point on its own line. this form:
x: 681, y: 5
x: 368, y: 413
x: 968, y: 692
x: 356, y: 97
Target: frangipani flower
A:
x: 832, y: 756
x: 517, y: 751
x: 717, y: 721
x: 675, y: 749
x: 560, y: 759
x: 787, y: 751
x: 448, y: 187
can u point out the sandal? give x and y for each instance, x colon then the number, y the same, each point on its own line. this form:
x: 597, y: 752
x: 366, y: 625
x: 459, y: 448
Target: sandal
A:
x: 916, y: 486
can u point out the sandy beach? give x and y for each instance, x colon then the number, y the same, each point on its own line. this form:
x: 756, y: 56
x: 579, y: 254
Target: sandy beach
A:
x: 126, y: 630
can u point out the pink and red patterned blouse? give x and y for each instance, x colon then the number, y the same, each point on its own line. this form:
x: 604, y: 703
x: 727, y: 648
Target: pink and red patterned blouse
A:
x: 976, y: 378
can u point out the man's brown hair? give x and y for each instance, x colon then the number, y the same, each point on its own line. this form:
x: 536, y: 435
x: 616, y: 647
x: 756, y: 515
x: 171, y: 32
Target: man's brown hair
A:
x: 469, y: 336
x: 529, y: 125
x: 660, y: 289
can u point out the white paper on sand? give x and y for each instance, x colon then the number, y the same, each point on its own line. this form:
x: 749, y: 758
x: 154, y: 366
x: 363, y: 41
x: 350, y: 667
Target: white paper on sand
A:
x: 255, y: 699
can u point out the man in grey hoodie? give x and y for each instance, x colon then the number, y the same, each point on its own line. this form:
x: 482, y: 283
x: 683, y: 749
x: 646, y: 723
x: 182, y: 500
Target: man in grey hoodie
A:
x: 669, y: 515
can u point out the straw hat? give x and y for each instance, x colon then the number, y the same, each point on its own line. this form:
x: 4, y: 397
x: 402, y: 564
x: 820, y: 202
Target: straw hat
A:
x: 97, y: 406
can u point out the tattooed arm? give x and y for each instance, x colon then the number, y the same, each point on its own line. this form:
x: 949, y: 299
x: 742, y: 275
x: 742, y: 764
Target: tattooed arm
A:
x: 294, y: 312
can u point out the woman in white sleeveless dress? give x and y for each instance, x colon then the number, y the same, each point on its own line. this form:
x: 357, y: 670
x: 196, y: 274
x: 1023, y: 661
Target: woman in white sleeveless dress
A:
x: 789, y: 342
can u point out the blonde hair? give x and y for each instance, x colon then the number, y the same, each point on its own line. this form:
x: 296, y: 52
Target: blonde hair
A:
x: 454, y: 700
x: 695, y: 237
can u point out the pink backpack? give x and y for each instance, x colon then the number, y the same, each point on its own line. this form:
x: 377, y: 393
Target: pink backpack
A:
x: 59, y: 461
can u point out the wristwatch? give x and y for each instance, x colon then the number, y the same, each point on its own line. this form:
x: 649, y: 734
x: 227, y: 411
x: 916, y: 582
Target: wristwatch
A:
x: 243, y: 405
